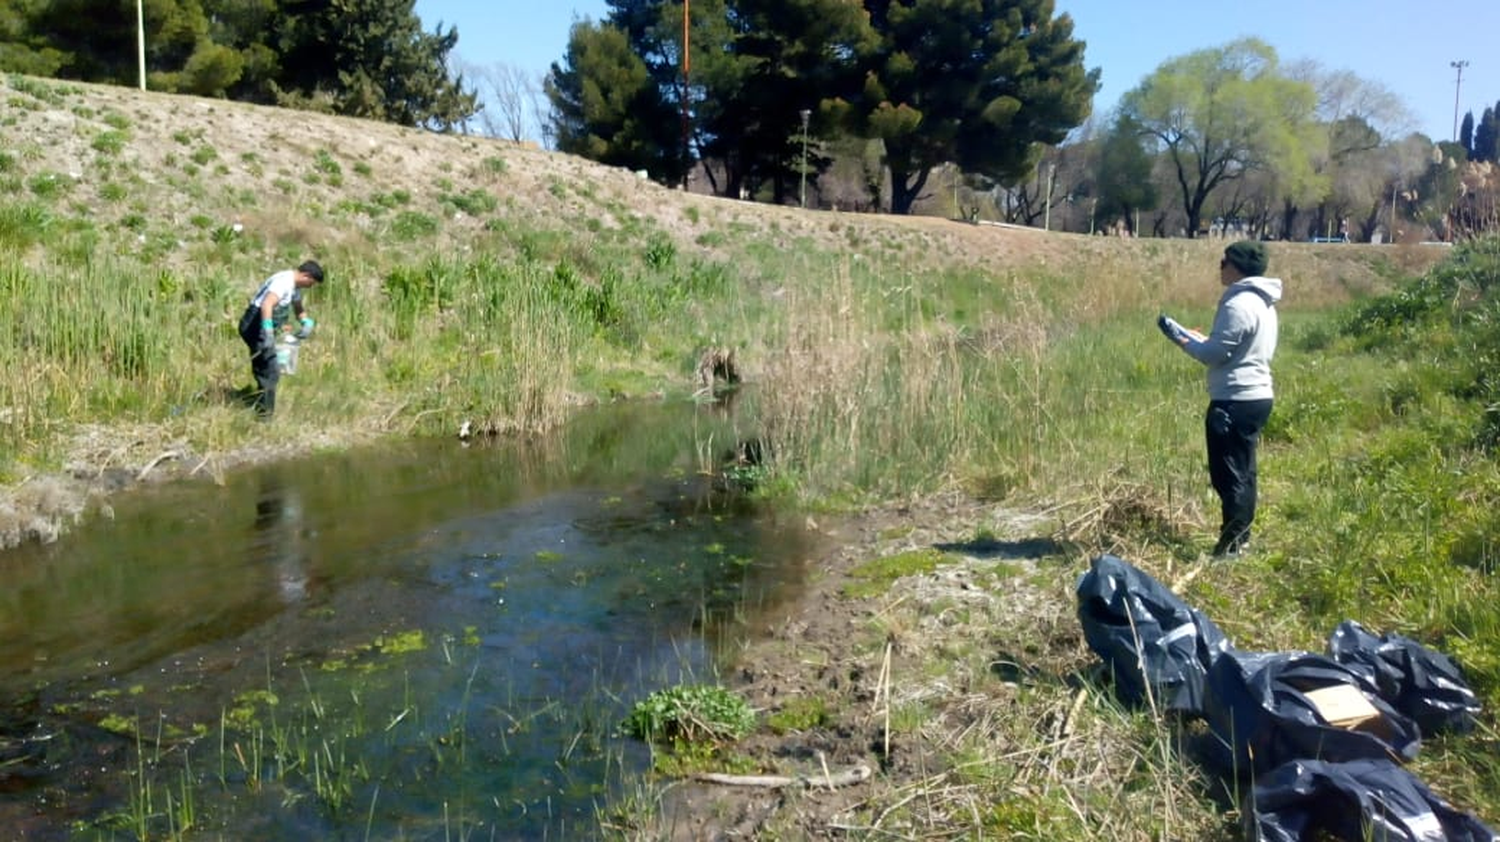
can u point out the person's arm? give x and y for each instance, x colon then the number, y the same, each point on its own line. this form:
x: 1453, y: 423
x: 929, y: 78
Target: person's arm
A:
x: 268, y: 319
x: 1231, y: 324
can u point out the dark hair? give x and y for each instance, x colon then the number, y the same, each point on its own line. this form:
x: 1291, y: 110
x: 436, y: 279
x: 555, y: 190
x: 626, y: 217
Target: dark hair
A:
x: 312, y: 270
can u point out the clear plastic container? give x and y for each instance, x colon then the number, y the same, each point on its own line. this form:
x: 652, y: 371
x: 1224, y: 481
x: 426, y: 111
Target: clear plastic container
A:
x: 286, y: 354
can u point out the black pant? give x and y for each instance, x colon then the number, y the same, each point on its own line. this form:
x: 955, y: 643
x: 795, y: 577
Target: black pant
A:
x: 262, y: 362
x: 1233, y: 431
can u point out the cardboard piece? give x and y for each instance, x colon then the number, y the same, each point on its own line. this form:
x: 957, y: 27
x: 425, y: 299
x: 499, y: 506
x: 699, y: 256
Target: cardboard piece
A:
x: 1344, y: 706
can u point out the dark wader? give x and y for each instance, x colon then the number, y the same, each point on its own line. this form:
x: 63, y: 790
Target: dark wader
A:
x: 262, y: 363
x: 1233, y: 430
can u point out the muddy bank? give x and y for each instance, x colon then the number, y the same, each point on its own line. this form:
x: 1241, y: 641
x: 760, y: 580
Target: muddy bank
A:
x: 967, y: 690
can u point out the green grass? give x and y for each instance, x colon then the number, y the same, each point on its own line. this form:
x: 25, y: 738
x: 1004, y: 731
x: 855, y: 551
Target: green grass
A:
x: 881, y: 371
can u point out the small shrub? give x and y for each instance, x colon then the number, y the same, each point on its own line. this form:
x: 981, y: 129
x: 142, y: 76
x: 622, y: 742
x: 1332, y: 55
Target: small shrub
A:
x: 113, y: 191
x: 409, y: 225
x: 116, y: 120
x: 324, y: 163
x: 692, y: 714
x: 203, y: 154
x: 494, y: 165
x: 23, y: 225
x: 474, y: 202
x: 46, y: 185
x: 362, y: 169
x: 110, y: 142
x: 660, y: 253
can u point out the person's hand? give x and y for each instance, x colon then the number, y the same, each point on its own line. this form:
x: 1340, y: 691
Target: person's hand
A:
x: 1172, y: 330
x: 306, y: 328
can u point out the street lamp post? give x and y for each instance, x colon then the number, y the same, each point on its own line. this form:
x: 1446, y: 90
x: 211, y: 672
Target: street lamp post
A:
x: 1457, y: 85
x: 802, y: 194
x: 140, y: 42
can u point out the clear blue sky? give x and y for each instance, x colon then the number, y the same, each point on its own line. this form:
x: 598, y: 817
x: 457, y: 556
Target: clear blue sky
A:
x: 1406, y: 46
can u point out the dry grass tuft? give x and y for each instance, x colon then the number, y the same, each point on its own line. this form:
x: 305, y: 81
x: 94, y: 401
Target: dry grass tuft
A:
x: 1125, y: 518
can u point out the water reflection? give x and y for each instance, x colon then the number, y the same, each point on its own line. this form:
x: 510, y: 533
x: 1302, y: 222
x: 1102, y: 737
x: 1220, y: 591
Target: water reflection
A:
x: 548, y: 583
x: 277, y: 541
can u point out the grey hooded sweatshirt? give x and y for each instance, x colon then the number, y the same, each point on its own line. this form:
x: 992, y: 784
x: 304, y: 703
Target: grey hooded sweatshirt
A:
x: 1238, y: 350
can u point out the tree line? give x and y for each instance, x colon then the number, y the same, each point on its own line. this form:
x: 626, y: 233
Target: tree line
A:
x: 992, y: 97
x: 1481, y: 140
x: 1230, y: 139
x: 359, y: 58
x: 740, y: 85
x: 974, y: 109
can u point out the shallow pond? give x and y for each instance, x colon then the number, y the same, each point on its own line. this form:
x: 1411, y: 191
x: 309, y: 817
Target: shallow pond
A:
x: 416, y: 641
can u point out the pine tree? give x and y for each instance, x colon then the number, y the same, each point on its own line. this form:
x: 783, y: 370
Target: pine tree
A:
x: 1486, y: 142
x: 978, y: 84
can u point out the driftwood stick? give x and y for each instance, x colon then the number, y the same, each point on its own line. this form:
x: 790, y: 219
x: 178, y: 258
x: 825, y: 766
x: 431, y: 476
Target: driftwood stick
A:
x: 848, y: 777
x: 170, y: 454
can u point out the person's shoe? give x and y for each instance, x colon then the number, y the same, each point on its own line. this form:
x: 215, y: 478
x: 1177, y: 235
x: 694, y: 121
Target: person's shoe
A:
x: 1231, y: 552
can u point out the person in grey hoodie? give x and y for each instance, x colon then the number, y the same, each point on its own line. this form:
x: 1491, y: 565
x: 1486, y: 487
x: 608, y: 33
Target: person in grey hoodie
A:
x: 1237, y: 352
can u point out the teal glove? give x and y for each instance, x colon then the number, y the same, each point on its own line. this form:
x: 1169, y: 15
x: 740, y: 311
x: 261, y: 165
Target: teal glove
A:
x: 306, y: 329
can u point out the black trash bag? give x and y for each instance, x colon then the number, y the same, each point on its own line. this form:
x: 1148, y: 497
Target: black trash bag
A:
x: 1258, y: 708
x: 1423, y: 684
x: 1355, y: 801
x: 1147, y: 636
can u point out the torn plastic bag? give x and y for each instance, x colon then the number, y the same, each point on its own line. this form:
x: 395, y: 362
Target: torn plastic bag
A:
x: 1150, y: 639
x: 1269, y: 708
x: 1354, y: 801
x: 1423, y: 684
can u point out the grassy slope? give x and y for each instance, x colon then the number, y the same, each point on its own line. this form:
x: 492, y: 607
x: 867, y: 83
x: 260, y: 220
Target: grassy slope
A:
x: 472, y: 280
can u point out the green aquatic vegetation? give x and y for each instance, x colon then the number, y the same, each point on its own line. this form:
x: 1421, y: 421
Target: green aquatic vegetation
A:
x: 247, y: 706
x: 692, y: 714
x: 119, y: 724
x: 412, y: 640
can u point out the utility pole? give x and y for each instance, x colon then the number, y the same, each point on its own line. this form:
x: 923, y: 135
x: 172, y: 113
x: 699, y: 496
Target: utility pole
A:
x: 686, y: 65
x: 140, y: 41
x: 1047, y: 203
x: 1457, y: 85
x: 802, y: 195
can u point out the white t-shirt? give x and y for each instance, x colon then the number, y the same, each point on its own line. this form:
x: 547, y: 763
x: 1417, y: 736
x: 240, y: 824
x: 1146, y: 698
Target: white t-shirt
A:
x: 284, y: 285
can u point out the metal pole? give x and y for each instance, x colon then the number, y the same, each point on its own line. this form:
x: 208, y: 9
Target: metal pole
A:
x: 802, y: 195
x: 1459, y: 66
x: 686, y: 67
x: 1047, y: 204
x: 1392, y: 233
x: 140, y: 41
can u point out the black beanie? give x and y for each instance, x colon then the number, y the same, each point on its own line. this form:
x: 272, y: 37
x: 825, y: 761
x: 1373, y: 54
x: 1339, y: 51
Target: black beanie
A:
x: 1248, y: 256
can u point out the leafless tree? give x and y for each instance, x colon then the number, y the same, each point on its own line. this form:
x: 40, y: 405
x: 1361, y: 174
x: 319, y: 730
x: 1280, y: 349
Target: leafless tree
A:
x: 512, y: 99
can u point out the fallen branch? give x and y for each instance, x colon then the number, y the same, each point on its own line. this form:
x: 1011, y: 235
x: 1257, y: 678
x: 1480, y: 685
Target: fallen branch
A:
x: 832, y: 780
x: 170, y: 454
